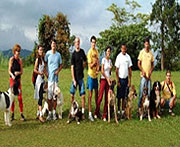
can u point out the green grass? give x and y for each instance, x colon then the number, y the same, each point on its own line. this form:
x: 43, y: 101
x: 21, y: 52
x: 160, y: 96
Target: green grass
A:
x: 163, y: 132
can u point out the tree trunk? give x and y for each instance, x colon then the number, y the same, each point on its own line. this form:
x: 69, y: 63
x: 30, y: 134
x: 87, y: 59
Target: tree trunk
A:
x: 162, y: 45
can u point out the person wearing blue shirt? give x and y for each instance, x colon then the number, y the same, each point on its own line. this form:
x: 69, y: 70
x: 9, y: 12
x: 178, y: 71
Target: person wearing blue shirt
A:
x: 54, y: 65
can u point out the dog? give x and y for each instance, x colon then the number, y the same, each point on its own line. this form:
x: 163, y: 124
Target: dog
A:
x: 6, y: 99
x: 145, y: 103
x: 155, y: 98
x: 112, y: 101
x: 132, y: 94
x: 60, y: 101
x: 74, y: 113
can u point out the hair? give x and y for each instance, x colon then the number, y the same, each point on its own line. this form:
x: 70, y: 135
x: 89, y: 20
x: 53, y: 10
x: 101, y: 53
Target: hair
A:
x: 93, y: 38
x: 146, y: 39
x: 37, y: 55
x: 53, y: 40
x: 16, y: 47
x: 123, y: 44
x: 108, y: 47
x: 168, y: 71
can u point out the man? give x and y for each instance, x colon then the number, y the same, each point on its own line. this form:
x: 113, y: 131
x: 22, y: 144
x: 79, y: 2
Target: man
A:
x: 168, y: 99
x: 54, y: 66
x: 146, y: 66
x: 93, y: 70
x: 123, y: 74
x: 78, y: 63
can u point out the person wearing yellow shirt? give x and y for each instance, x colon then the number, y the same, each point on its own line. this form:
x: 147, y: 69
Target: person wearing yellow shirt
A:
x: 146, y: 66
x: 93, y: 70
x: 168, y: 99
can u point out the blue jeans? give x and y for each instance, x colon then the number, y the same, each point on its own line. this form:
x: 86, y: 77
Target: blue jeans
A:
x: 144, y: 82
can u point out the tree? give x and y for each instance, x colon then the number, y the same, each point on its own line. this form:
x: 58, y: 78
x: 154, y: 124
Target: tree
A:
x: 56, y: 28
x: 128, y: 28
x: 166, y: 16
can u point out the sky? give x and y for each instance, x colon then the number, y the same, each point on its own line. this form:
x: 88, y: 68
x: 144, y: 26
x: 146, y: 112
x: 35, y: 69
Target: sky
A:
x: 19, y: 18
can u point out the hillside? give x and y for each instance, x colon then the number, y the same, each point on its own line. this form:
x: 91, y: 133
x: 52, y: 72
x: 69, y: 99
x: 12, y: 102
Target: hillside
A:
x: 24, y: 53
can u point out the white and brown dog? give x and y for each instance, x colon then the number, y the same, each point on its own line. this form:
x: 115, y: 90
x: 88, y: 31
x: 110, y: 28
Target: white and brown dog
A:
x: 155, y: 98
x: 112, y: 101
x: 60, y: 101
x: 145, y: 104
x: 132, y: 94
x: 74, y: 113
x: 6, y: 99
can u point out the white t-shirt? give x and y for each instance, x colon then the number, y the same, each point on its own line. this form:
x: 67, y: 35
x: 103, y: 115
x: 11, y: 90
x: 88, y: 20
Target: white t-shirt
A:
x: 123, y: 62
x: 107, y: 64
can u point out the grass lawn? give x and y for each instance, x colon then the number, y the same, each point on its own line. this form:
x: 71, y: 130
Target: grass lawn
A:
x: 163, y: 132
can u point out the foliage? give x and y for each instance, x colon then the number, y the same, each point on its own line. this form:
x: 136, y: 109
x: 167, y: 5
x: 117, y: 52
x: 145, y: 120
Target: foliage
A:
x: 30, y: 60
x: 165, y: 17
x: 128, y: 28
x: 4, y: 61
x: 56, y: 28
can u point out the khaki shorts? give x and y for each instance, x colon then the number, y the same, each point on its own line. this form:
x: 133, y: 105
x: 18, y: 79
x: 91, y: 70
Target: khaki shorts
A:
x: 51, y: 87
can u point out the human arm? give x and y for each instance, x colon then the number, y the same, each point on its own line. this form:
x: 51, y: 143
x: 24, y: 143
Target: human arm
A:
x: 117, y: 76
x: 130, y: 75
x: 9, y: 69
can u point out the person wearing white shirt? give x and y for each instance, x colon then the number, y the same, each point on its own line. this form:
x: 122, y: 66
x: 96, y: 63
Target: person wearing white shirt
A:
x: 123, y: 65
x: 105, y: 82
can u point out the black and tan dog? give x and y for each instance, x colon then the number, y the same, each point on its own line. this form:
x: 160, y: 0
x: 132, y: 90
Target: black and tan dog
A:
x: 112, y: 101
x: 145, y: 104
x: 74, y: 113
x: 155, y: 98
x: 132, y: 94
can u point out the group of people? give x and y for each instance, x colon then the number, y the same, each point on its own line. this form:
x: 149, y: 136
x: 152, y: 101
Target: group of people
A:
x: 50, y: 64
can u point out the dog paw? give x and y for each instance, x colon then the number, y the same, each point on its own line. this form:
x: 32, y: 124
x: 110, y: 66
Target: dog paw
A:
x: 141, y: 118
x: 9, y: 124
x: 60, y: 117
x: 117, y: 122
x: 158, y: 117
x: 78, y: 123
x: 68, y: 122
x: 149, y: 119
x: 154, y: 117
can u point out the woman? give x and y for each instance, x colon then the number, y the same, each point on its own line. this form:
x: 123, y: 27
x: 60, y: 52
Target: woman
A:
x: 105, y: 82
x: 15, y: 71
x: 39, y: 86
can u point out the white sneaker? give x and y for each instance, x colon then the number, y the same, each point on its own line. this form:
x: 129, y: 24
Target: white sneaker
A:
x: 95, y: 116
x: 54, y: 116
x: 91, y: 118
x: 49, y: 117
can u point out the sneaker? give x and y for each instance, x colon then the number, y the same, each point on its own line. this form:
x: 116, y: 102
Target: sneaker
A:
x: 91, y: 118
x: 22, y: 117
x: 41, y: 119
x: 95, y: 116
x: 54, y: 116
x: 171, y: 112
x: 12, y: 117
x: 83, y: 117
x: 49, y: 117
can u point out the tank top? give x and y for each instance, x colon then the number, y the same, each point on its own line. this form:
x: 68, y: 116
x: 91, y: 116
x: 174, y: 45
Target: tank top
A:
x: 16, y: 67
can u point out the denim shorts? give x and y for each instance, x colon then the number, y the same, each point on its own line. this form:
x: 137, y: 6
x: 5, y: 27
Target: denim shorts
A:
x: 81, y: 85
x: 92, y: 83
x: 167, y: 103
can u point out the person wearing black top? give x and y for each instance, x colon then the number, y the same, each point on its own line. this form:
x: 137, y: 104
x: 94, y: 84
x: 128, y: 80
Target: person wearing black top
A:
x: 15, y: 72
x: 78, y: 63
